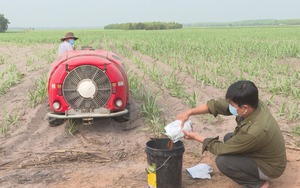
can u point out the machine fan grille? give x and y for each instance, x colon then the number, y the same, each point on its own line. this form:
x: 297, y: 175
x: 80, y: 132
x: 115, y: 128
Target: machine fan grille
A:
x: 86, y: 86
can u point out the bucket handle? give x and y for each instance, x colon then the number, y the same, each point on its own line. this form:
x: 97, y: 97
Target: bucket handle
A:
x: 164, y: 163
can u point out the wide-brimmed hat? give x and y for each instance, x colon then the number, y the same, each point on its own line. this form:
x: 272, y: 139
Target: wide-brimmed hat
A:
x: 69, y: 35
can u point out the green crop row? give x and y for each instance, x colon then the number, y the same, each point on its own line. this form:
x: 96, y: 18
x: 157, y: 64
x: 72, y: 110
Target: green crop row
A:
x: 212, y: 56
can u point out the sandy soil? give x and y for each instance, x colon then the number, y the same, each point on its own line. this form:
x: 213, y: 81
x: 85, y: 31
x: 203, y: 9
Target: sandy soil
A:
x: 106, y: 154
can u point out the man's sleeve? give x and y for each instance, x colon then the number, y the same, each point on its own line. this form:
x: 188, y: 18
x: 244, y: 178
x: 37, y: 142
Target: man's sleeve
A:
x: 238, y: 144
x: 219, y: 106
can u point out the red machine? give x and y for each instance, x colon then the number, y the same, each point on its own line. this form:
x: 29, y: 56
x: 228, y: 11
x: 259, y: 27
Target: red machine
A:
x: 87, y: 84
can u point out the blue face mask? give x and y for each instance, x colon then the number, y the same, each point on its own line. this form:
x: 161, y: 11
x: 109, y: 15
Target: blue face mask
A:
x: 71, y: 41
x: 233, y: 110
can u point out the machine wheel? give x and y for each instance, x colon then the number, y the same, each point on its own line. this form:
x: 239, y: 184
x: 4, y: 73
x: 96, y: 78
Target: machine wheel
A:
x: 53, y: 122
x: 125, y: 117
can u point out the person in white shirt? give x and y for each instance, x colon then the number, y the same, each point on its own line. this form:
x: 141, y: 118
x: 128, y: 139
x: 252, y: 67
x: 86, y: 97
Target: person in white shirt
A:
x: 67, y: 43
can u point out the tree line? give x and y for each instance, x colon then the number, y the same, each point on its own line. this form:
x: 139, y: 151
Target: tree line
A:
x: 268, y: 22
x: 145, y: 26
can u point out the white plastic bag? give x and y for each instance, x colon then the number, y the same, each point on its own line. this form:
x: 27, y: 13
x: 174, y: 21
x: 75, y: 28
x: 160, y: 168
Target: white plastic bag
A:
x: 201, y: 171
x: 174, y: 131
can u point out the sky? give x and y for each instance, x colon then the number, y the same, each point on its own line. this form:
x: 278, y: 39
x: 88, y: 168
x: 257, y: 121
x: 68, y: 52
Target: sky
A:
x: 98, y: 13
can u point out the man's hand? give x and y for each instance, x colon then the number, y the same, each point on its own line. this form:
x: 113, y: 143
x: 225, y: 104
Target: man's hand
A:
x: 192, y: 136
x: 183, y: 117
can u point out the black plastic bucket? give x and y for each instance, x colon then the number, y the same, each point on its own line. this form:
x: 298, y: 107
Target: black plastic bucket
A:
x: 164, y: 166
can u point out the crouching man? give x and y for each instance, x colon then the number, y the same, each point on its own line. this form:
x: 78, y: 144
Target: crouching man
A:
x: 255, y: 152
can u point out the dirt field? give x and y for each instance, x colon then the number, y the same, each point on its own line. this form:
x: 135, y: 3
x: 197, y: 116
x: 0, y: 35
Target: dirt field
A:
x: 107, y: 154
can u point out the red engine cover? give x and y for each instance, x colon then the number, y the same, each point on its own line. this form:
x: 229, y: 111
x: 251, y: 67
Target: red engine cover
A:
x: 87, y: 79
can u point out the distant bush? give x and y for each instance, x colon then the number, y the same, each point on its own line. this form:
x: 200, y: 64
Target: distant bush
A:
x: 145, y: 26
x: 3, y: 23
